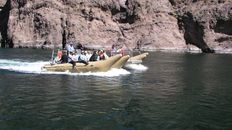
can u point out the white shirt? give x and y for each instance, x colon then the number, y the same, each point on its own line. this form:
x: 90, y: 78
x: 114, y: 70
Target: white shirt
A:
x: 83, y: 57
x: 70, y: 48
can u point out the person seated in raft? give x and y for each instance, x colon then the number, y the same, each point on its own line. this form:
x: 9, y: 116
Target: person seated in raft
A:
x: 94, y: 57
x: 106, y: 56
x: 88, y: 55
x: 76, y: 58
x: 58, y: 57
x: 79, y: 46
x: 120, y: 51
x: 64, y: 57
x: 113, y: 50
x: 78, y: 51
x: 59, y: 54
x: 102, y: 55
x: 70, y: 47
x: 83, y: 58
x: 117, y: 50
x: 72, y: 58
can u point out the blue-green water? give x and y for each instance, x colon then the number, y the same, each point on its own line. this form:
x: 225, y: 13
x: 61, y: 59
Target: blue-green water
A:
x: 170, y: 91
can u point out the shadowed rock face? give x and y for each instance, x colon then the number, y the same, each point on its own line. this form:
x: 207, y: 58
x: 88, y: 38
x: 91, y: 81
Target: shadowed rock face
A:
x: 206, y: 24
x: 193, y: 32
x: 143, y: 24
x: 4, y: 16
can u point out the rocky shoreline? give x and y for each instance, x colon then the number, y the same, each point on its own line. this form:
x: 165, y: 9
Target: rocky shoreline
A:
x: 175, y: 25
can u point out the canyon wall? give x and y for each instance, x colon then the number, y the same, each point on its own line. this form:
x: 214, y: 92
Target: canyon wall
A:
x: 2, y: 20
x: 142, y: 24
x: 206, y: 23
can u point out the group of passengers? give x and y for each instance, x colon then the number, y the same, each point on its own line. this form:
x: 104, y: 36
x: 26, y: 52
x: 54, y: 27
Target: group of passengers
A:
x: 73, y: 56
x: 117, y: 50
x: 98, y: 55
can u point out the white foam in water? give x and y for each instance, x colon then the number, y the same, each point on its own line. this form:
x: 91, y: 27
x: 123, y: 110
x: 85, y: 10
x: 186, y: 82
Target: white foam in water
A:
x: 138, y: 67
x: 35, y: 67
x: 22, y: 66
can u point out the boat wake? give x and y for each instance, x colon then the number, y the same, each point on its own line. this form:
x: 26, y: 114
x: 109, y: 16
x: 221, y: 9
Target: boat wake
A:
x: 35, y: 68
x: 138, y: 67
x: 22, y: 66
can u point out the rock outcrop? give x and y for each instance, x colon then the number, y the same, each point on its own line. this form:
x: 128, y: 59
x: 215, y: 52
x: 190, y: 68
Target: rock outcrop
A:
x: 143, y: 24
x: 206, y: 24
x: 4, y: 15
x: 2, y: 3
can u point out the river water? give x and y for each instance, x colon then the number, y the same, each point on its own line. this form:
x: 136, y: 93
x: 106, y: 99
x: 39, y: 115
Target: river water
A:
x: 168, y: 91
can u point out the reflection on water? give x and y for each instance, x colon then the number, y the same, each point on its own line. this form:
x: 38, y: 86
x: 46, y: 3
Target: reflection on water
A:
x: 176, y: 91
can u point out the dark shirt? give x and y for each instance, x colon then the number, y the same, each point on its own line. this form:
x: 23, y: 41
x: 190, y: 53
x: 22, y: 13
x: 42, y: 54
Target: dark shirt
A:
x: 94, y: 57
x: 64, y: 59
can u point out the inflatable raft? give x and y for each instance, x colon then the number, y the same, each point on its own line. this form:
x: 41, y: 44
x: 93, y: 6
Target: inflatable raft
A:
x: 138, y: 58
x: 96, y: 66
